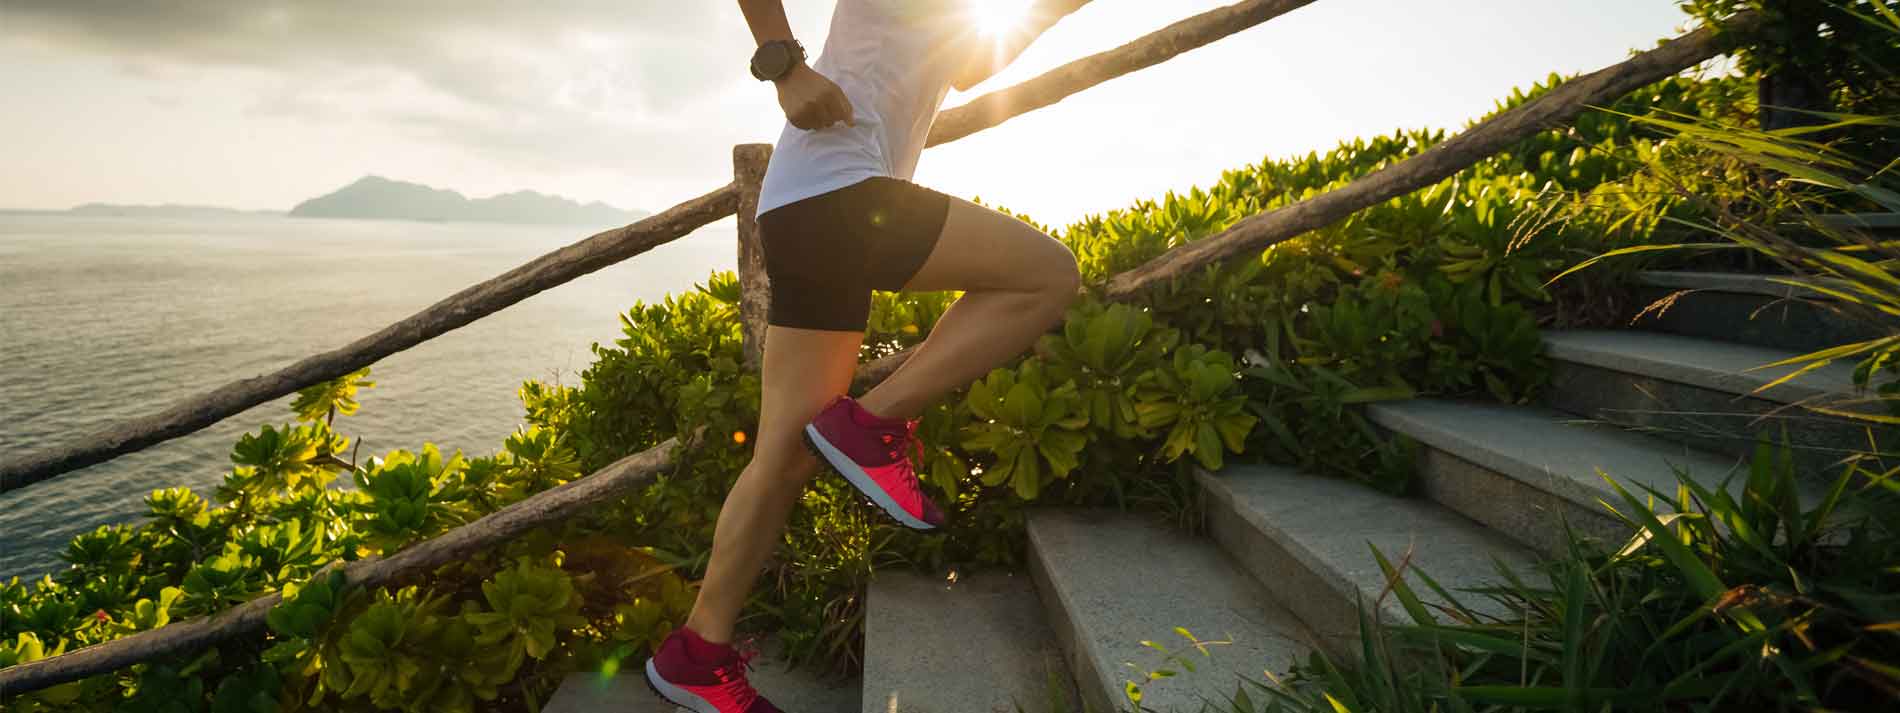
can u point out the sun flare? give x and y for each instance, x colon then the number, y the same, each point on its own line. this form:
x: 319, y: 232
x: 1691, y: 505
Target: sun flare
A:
x: 998, y: 17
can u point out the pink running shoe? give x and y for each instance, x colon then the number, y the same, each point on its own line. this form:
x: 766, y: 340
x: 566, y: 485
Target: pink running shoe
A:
x: 874, y: 453
x: 704, y: 677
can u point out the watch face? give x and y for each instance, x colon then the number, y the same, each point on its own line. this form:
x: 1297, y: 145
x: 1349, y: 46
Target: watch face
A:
x: 773, y: 60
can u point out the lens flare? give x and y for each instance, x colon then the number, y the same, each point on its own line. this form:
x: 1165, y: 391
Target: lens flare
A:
x: 998, y: 17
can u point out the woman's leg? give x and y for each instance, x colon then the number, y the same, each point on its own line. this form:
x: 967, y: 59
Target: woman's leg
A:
x: 1017, y: 282
x: 804, y: 369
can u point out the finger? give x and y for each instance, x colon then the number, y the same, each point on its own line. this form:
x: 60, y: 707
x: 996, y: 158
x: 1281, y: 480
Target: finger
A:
x: 806, y: 117
x: 792, y: 115
x: 844, y: 109
x: 824, y: 114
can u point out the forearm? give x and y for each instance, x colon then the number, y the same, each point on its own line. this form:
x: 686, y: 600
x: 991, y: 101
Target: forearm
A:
x: 767, y: 20
x: 985, y: 62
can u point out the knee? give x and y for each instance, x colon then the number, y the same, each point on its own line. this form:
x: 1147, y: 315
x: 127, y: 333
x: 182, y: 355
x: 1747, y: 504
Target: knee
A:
x: 787, y: 462
x: 1062, y: 281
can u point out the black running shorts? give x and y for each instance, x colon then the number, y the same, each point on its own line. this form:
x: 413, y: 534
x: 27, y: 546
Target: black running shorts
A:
x: 825, y: 254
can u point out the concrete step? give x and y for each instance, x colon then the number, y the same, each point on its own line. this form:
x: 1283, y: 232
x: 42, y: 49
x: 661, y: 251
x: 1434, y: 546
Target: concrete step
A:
x: 1309, y: 539
x: 1749, y: 309
x: 978, y: 644
x: 1735, y: 282
x: 1525, y: 470
x: 1702, y: 392
x: 1111, y: 581
x: 625, y: 691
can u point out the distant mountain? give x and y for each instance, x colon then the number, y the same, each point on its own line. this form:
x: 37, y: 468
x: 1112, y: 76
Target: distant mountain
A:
x: 376, y: 197
x: 169, y: 210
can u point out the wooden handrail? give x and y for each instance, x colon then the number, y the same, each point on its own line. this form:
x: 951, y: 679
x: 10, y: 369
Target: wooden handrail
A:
x: 543, y: 508
x: 1481, y: 141
x: 551, y: 506
x: 1146, y: 51
x: 196, y: 412
x: 1558, y: 107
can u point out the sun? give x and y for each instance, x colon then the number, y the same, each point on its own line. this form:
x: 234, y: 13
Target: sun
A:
x: 998, y: 17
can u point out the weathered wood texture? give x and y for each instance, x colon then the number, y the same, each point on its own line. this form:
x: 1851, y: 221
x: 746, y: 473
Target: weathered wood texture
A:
x: 1477, y: 143
x: 1146, y: 51
x: 196, y: 412
x: 545, y: 508
x: 748, y: 173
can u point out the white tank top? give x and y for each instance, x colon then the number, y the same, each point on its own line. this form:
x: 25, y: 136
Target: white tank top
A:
x: 894, y: 59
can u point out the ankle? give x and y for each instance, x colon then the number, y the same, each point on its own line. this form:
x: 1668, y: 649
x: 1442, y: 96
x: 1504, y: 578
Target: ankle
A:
x: 883, y: 410
x: 695, y: 630
x: 702, y: 649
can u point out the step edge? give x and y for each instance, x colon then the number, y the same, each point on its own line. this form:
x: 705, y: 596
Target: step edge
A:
x: 875, y: 593
x: 1070, y: 632
x: 1739, y: 283
x: 1111, y: 689
x: 1311, y: 561
x: 1561, y: 345
x: 1576, y: 492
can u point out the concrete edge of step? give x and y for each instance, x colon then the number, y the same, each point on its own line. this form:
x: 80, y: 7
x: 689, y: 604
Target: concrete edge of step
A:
x: 1311, y: 561
x: 1104, y: 610
x: 1742, y: 283
x: 1481, y: 455
x: 1724, y: 367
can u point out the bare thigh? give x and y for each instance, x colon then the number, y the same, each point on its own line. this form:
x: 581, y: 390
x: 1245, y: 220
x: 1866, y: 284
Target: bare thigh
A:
x: 984, y: 250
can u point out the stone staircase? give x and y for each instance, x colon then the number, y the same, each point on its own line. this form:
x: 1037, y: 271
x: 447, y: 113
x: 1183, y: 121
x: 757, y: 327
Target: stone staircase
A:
x: 1289, y: 561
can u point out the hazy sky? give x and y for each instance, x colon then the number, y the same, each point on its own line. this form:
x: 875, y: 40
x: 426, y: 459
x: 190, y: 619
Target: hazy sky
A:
x: 262, y: 103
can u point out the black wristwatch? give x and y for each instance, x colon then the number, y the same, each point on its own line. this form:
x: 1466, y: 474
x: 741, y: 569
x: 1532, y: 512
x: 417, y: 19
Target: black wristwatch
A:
x: 776, y: 59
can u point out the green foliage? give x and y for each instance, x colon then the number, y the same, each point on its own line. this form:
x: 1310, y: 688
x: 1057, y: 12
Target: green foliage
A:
x: 1196, y: 403
x: 1845, y: 46
x: 1031, y: 432
x: 496, y: 629
x: 330, y: 399
x: 409, y: 496
x: 528, y: 605
x: 281, y: 459
x: 1787, y: 181
x: 1271, y: 356
x: 1724, y: 598
x: 1105, y: 350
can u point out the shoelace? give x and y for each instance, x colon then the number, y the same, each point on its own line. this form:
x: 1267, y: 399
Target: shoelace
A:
x: 898, y: 445
x: 732, y: 676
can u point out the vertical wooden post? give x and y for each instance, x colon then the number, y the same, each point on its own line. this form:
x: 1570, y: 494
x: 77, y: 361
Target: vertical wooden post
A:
x: 1785, y: 93
x: 748, y: 172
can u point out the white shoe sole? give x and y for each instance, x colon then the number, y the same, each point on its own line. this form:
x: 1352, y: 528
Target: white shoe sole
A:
x: 676, y: 695
x: 862, y: 480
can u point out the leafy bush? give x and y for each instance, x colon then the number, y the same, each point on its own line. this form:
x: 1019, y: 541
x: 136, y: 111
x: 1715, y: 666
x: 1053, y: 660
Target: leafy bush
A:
x: 1437, y: 292
x: 1718, y: 602
x: 498, y: 629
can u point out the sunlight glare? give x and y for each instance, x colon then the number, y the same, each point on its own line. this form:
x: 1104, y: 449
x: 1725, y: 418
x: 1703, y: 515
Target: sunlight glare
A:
x: 998, y: 17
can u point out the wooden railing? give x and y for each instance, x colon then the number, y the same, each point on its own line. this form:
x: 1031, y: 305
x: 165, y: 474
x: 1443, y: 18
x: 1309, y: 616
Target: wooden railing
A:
x: 551, y: 506
x: 557, y: 268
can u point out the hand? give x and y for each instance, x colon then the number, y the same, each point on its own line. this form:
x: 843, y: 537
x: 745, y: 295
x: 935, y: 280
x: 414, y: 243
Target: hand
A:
x: 811, y: 100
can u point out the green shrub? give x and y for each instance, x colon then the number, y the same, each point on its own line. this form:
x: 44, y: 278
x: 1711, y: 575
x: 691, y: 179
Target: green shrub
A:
x: 1271, y: 356
x: 1718, y: 602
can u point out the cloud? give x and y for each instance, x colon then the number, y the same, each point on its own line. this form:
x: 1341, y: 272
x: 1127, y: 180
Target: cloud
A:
x: 487, y: 52
x: 549, y: 82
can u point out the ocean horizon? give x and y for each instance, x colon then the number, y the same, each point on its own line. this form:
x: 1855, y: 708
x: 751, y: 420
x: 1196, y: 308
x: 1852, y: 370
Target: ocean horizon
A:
x: 103, y: 319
